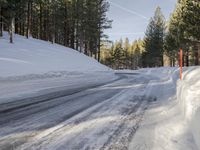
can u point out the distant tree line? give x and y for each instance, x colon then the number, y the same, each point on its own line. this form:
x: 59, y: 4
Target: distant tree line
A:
x: 78, y: 24
x: 123, y: 55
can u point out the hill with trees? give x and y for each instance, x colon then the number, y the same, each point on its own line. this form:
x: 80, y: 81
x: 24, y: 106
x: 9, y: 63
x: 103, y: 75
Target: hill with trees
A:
x: 78, y: 24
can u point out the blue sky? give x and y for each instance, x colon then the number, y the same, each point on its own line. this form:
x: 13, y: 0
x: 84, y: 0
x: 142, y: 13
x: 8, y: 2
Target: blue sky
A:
x: 131, y: 17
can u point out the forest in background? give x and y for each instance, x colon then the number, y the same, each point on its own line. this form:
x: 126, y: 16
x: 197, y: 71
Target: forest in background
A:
x: 78, y: 24
x: 123, y: 55
x: 162, y: 42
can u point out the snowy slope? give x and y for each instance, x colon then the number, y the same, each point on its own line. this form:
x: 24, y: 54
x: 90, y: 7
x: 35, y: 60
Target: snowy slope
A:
x: 31, y: 56
x: 32, y: 67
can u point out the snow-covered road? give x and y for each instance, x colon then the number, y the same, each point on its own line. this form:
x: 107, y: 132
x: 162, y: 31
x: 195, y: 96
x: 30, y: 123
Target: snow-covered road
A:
x: 91, y: 117
x: 135, y: 110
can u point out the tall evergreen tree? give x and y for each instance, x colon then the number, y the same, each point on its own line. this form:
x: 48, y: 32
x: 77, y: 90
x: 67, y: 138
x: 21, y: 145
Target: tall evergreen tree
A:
x: 154, y: 40
x: 126, y: 53
x: 191, y: 19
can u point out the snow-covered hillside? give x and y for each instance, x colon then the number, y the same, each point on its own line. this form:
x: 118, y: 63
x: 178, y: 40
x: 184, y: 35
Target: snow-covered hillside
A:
x: 31, y: 67
x: 31, y: 56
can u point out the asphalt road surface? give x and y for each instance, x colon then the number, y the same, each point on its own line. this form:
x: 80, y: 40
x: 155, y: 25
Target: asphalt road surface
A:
x: 102, y: 116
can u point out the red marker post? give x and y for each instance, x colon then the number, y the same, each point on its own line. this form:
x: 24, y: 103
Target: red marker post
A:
x: 181, y: 63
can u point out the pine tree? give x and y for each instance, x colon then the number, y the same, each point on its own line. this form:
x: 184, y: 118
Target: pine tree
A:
x: 2, y: 3
x: 175, y: 37
x: 118, y: 55
x: 154, y: 40
x: 103, y: 23
x: 29, y: 15
x: 126, y: 53
x: 171, y: 48
x: 191, y: 19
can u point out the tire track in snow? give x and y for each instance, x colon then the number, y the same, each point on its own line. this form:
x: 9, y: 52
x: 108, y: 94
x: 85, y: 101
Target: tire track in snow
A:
x: 123, y: 134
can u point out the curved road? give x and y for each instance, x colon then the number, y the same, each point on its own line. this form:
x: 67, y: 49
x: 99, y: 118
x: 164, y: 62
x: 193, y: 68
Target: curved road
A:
x: 33, y: 123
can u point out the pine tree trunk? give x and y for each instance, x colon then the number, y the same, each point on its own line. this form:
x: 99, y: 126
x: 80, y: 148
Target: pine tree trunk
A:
x: 66, y: 27
x: 187, y: 58
x: 28, y: 30
x: 72, y: 37
x: 171, y: 62
x: 20, y: 28
x: 95, y: 55
x: 77, y: 27
x: 23, y: 29
x: 99, y: 43
x: 54, y: 29
x: 41, y: 37
x: 1, y: 22
x: 196, y: 55
x: 12, y: 29
x: 86, y: 49
x: 183, y: 64
x: 99, y: 55
x: 45, y: 25
x: 11, y: 37
x: 77, y: 41
x: 81, y: 42
x: 16, y: 26
x: 53, y: 32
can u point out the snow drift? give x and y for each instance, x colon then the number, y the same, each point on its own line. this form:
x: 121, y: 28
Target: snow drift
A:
x: 32, y: 56
x: 188, y: 93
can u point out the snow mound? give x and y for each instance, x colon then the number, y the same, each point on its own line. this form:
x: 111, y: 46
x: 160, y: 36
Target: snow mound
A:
x: 188, y: 93
x: 32, y: 56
